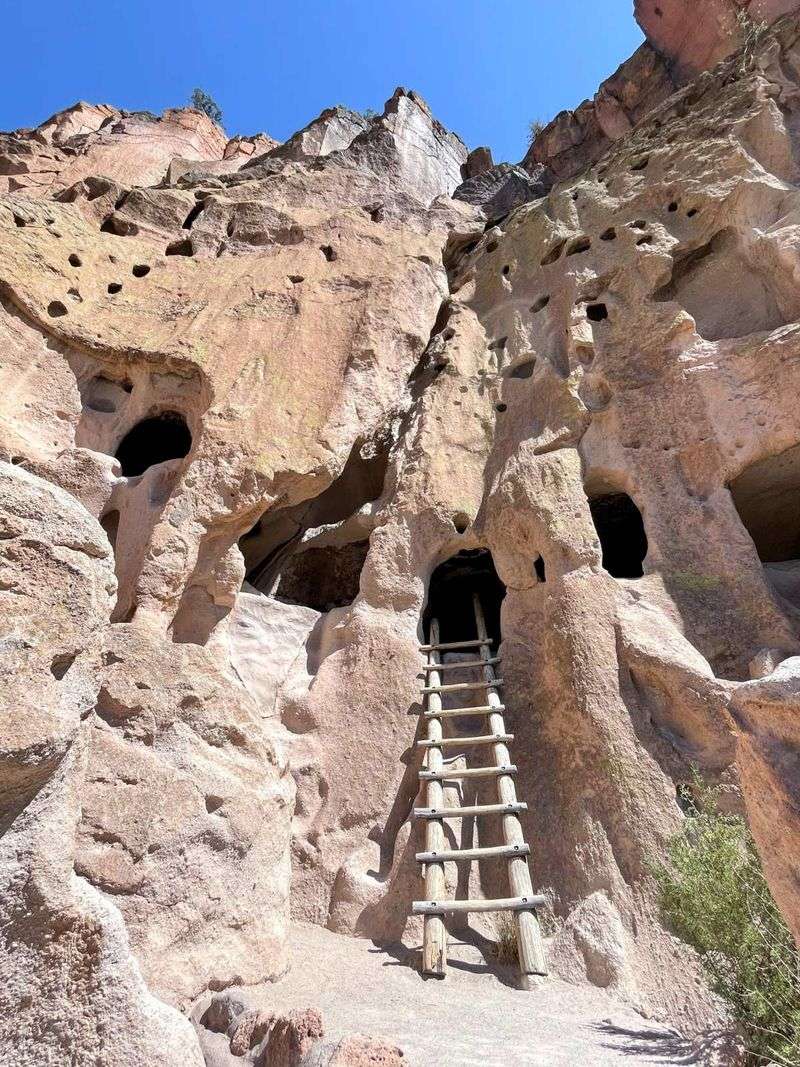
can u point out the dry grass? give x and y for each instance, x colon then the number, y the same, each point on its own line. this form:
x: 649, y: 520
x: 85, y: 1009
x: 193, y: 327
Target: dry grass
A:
x: 505, y: 947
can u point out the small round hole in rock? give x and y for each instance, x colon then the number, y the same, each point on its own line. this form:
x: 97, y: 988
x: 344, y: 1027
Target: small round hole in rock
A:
x: 553, y: 254
x: 646, y: 240
x: 583, y: 244
x: 690, y: 214
x: 638, y: 224
x: 115, y: 287
x: 501, y: 408
x: 328, y: 252
x: 523, y: 370
x: 538, y: 569
x: 673, y: 206
x: 140, y: 270
x: 640, y: 164
x: 492, y: 246
x: 180, y: 248
x: 596, y: 312
x: 609, y: 235
x: 75, y: 260
x: 189, y: 221
x: 55, y: 309
x: 61, y: 664
x: 541, y: 303
x: 461, y: 522
x: 506, y: 270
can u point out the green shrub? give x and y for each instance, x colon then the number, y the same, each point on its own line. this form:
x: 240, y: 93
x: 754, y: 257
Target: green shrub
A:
x: 715, y: 896
x: 203, y: 102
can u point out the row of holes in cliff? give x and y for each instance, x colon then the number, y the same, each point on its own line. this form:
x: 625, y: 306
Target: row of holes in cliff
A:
x: 565, y: 247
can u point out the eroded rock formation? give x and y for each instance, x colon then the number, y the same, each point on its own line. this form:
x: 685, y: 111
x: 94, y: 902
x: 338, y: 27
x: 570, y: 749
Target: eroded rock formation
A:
x: 253, y: 396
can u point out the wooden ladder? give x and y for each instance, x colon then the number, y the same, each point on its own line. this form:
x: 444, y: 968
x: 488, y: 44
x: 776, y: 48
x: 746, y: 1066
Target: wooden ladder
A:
x: 523, y: 904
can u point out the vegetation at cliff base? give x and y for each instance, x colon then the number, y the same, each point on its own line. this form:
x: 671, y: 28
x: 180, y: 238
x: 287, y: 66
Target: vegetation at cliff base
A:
x: 715, y: 896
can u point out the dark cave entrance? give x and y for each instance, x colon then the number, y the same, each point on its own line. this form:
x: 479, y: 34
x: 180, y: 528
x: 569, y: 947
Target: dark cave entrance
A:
x: 450, y: 593
x: 154, y: 440
x: 767, y: 497
x: 323, y: 578
x: 619, y: 526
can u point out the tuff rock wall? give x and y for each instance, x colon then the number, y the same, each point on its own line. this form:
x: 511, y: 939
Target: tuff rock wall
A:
x: 383, y: 352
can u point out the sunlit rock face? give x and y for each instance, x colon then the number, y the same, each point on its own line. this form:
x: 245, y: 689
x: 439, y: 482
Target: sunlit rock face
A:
x: 693, y: 37
x: 254, y: 395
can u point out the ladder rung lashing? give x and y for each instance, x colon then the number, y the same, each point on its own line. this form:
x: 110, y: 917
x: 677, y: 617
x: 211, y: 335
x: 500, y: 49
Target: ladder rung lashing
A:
x: 466, y: 772
x: 455, y: 644
x: 480, y: 709
x: 455, y: 854
x: 454, y: 686
x: 443, y: 907
x: 479, y: 739
x: 461, y: 666
x: 470, y: 809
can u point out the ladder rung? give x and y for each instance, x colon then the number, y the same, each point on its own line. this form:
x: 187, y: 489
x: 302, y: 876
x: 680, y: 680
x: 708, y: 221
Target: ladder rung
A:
x: 480, y: 739
x: 467, y: 772
x: 427, y: 689
x: 472, y: 809
x: 481, y: 709
x: 455, y: 644
x: 462, y: 666
x: 442, y: 907
x: 446, y: 855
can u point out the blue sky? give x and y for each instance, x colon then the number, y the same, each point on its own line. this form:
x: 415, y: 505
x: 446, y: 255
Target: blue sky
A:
x: 486, y: 67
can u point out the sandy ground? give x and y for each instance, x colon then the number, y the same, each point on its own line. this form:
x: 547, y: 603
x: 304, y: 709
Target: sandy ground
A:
x: 474, y: 1016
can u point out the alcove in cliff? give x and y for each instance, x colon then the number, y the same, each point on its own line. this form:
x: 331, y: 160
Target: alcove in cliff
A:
x: 621, y: 531
x: 450, y: 592
x: 767, y: 496
x: 323, y: 577
x: 154, y: 440
x: 325, y: 573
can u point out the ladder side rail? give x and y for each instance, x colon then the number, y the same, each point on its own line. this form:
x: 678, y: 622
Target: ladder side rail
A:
x: 434, y: 938
x: 530, y: 943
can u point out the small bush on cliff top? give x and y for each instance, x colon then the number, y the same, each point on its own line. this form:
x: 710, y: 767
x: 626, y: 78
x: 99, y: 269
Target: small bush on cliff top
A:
x: 203, y: 102
x: 715, y: 896
x: 534, y: 129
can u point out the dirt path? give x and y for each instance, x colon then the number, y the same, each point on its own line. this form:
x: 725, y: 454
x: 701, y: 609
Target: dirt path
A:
x: 473, y: 1017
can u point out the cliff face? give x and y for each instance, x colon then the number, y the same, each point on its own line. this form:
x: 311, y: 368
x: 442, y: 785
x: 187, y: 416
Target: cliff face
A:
x: 253, y: 395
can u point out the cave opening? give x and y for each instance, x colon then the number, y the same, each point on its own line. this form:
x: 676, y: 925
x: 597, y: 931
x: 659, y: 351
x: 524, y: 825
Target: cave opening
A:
x: 323, y: 572
x: 767, y: 497
x: 619, y: 526
x: 450, y: 591
x: 323, y: 577
x: 154, y: 440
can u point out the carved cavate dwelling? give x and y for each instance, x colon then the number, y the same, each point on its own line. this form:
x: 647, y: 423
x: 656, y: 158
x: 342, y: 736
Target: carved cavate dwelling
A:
x: 254, y: 398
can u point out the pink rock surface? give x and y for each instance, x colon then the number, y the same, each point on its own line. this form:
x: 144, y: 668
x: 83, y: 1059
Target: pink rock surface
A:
x: 245, y: 417
x: 693, y: 37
